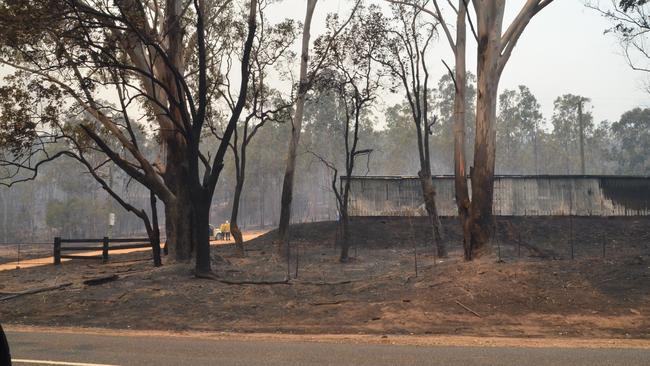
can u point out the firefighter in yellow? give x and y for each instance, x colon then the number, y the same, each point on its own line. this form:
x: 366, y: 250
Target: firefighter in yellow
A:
x: 225, y: 229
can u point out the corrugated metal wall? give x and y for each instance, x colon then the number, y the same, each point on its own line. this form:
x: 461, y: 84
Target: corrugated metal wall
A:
x: 513, y: 196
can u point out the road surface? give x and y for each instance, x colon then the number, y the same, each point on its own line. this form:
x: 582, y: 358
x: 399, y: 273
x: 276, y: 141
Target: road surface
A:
x: 82, y: 349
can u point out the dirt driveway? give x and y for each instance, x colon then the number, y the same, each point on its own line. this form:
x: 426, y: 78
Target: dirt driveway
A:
x: 41, y: 261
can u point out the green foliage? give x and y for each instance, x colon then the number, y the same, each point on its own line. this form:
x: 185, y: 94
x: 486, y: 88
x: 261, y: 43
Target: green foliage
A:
x: 566, y: 129
x: 71, y: 216
x: 628, y: 5
x: 443, y: 130
x: 25, y: 107
x: 631, y: 135
x: 518, y: 128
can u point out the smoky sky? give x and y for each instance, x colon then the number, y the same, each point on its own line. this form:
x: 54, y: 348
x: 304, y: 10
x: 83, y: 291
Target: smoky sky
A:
x: 563, y: 50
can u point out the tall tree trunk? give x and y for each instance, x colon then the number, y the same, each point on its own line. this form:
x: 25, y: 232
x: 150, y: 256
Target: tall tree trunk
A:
x: 179, y: 211
x: 429, y: 194
x: 583, y: 171
x: 489, y: 43
x: 201, y: 234
x: 296, y: 127
x: 261, y: 200
x: 187, y: 214
x: 234, y: 225
x: 178, y: 227
x: 460, y: 159
x: 154, y: 231
x: 345, y: 243
x: 535, y: 150
x: 5, y: 229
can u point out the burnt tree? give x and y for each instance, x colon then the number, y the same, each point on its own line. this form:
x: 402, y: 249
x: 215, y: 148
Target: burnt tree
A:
x: 458, y: 45
x: 263, y: 104
x: 154, y: 59
x: 308, y: 71
x: 353, y: 77
x: 406, y: 41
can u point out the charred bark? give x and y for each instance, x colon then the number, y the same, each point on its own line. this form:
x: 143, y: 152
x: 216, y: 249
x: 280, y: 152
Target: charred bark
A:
x: 429, y: 194
x: 296, y: 127
x: 345, y: 242
x: 153, y: 231
x: 234, y: 223
x: 201, y: 237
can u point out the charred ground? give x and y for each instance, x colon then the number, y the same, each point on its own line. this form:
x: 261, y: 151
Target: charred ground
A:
x: 541, y: 293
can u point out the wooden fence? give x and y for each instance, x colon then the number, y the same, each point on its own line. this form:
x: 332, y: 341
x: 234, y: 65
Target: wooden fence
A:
x: 94, y: 245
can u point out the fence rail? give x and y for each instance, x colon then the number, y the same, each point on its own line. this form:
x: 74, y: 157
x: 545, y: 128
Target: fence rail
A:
x: 105, y: 248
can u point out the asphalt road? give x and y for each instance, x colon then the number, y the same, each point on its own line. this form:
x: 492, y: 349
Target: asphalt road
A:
x: 78, y: 349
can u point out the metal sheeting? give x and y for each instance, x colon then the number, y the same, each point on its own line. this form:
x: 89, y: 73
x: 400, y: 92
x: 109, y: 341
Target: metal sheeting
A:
x: 513, y: 196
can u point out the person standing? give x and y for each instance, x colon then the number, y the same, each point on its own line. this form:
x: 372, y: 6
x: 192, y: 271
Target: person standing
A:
x: 227, y: 229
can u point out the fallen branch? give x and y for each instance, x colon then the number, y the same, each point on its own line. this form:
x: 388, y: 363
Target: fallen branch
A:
x: 328, y: 303
x: 36, y: 291
x: 228, y: 282
x: 132, y: 260
x: 439, y: 283
x: 325, y: 283
x: 213, y: 277
x: 466, y: 308
x: 100, y: 280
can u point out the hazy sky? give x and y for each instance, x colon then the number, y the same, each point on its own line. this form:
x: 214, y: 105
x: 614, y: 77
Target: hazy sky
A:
x: 563, y: 50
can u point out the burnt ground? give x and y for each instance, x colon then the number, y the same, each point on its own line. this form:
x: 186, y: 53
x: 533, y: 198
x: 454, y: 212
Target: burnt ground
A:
x: 542, y: 293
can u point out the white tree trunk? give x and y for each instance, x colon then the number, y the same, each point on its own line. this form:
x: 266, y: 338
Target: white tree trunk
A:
x: 296, y: 127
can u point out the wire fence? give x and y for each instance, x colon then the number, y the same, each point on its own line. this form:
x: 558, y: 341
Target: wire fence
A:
x: 513, y: 239
x: 32, y: 253
x: 571, y: 238
x: 516, y: 238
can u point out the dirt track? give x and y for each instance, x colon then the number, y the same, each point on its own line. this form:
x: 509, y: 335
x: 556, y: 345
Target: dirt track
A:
x: 42, y: 261
x: 376, y: 293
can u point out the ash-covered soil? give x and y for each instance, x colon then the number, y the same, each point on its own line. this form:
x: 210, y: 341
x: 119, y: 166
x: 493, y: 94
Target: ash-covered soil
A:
x: 536, y: 290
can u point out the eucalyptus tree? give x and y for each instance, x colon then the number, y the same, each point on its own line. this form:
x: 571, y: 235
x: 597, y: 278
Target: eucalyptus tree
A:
x: 518, y: 126
x: 308, y: 71
x: 445, y: 131
x: 271, y: 49
x: 631, y: 135
x: 458, y: 45
x: 351, y: 74
x: 494, y: 48
x: 396, y: 153
x: 571, y: 127
x: 296, y: 129
x: 406, y: 41
x: 630, y: 24
x: 120, y: 63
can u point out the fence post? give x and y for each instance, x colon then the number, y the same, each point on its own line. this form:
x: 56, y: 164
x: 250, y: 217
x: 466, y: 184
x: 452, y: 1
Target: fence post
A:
x: 105, y: 250
x: 297, y: 258
x: 57, y: 251
x: 571, y: 236
x: 495, y: 238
